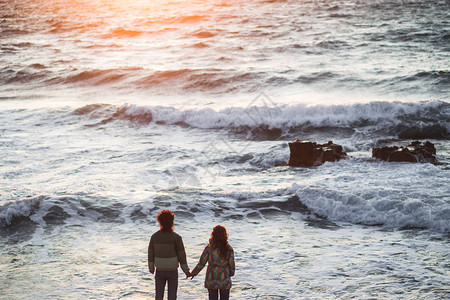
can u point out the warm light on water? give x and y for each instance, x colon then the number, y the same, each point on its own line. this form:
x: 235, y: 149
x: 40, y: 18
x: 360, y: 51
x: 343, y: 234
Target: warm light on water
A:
x: 114, y: 110
x: 306, y: 51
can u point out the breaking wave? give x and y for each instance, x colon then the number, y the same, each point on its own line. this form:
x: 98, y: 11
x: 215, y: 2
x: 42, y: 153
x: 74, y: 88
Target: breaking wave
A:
x: 428, y: 119
x: 321, y: 206
x: 81, y: 209
x: 377, y: 207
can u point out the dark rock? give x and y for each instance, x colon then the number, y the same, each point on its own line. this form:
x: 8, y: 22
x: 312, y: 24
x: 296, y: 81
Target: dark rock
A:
x: 414, y: 152
x: 308, y: 154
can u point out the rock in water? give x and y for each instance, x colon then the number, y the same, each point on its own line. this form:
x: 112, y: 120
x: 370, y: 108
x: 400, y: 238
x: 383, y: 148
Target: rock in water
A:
x: 414, y: 152
x: 309, y: 154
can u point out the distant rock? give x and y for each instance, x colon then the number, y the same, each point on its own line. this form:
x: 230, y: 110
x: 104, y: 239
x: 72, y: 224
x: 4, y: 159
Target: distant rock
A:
x: 414, y: 152
x: 309, y: 154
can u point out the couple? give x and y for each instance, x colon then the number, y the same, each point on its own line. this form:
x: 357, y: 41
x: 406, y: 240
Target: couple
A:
x: 166, y: 249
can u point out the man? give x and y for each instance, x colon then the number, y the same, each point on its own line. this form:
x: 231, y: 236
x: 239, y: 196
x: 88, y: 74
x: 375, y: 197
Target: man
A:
x: 165, y: 251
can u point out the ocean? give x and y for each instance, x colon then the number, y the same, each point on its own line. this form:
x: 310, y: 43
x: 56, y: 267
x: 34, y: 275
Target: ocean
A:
x: 112, y: 110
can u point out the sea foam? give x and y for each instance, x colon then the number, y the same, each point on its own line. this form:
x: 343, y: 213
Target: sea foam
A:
x: 380, y: 206
x: 427, y: 119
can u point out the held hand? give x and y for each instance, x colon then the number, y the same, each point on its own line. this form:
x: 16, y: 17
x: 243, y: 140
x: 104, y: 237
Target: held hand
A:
x: 188, y: 274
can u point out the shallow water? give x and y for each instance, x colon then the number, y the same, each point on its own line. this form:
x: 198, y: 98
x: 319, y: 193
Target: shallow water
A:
x: 113, y: 110
x: 289, y: 258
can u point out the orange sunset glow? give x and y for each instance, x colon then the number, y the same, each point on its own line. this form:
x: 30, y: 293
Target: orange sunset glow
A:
x: 212, y: 149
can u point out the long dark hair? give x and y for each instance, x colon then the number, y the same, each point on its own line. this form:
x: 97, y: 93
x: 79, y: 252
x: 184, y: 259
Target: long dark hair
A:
x: 219, y: 240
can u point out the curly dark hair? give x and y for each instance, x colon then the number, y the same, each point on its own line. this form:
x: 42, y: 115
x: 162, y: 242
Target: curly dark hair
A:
x: 165, y: 219
x: 219, y: 240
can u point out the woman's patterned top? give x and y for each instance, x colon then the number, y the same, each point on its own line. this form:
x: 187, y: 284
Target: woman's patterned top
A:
x: 219, y: 271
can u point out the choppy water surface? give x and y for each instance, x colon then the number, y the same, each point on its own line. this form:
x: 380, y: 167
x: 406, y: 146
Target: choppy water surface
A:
x: 113, y: 110
x: 397, y: 48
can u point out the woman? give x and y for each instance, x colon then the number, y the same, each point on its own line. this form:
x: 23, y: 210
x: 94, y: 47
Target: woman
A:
x: 220, y: 258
